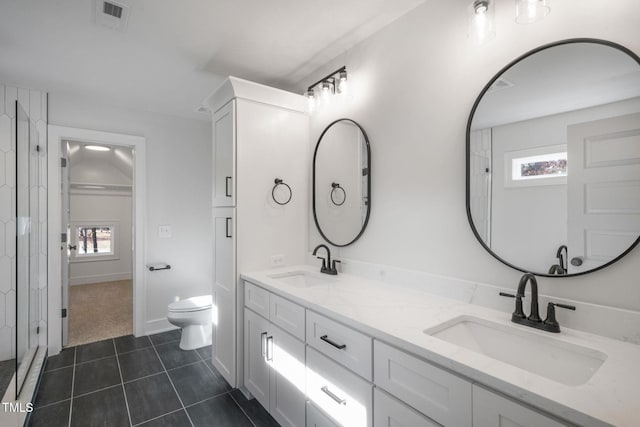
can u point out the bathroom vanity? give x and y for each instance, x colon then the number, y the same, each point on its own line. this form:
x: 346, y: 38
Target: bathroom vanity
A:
x: 374, y: 354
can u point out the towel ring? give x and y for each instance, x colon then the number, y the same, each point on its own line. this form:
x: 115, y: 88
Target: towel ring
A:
x: 279, y: 182
x: 335, y: 187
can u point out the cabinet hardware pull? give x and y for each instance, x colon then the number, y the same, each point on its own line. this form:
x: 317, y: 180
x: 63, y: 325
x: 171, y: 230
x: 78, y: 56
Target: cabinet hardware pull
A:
x: 336, y: 345
x: 269, y: 349
x: 328, y: 392
x: 226, y: 231
x: 263, y: 340
x: 226, y: 186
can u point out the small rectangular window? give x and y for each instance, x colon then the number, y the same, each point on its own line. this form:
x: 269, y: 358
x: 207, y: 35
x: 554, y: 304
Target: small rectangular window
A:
x: 93, y: 241
x: 546, y: 165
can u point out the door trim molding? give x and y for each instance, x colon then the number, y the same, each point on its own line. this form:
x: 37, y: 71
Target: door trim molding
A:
x: 56, y: 134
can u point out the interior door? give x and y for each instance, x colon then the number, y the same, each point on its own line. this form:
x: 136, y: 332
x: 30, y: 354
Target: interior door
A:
x: 603, y: 190
x: 65, y: 246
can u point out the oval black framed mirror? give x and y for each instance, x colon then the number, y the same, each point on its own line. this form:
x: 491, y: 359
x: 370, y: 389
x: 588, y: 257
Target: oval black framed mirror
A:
x: 341, y: 182
x: 553, y: 159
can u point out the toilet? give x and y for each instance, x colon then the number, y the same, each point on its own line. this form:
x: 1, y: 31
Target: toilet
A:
x: 193, y: 315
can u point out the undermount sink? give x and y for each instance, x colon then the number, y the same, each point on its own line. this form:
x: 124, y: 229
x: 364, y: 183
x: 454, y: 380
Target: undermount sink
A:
x: 557, y: 360
x: 303, y: 279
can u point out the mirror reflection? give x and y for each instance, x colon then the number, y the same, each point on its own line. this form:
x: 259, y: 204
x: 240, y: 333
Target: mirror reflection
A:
x: 342, y: 182
x: 553, y: 159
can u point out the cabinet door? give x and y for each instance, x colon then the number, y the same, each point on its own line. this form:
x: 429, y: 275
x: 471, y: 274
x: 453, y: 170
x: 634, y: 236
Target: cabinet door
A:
x: 286, y: 356
x: 390, y: 412
x: 316, y: 418
x: 224, y: 159
x: 256, y: 369
x: 224, y: 294
x: 492, y: 410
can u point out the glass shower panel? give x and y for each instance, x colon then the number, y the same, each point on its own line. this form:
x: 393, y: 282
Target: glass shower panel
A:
x: 26, y: 244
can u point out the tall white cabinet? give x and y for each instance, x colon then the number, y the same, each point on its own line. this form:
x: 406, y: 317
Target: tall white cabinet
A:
x: 259, y: 134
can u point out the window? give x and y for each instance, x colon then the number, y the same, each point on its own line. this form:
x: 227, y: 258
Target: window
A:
x: 93, y: 242
x: 539, y: 166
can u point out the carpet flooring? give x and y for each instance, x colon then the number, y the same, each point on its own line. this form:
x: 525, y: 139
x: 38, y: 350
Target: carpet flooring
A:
x: 100, y: 311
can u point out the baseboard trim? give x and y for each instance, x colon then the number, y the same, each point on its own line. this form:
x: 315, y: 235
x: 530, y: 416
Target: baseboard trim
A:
x: 156, y: 326
x: 99, y: 278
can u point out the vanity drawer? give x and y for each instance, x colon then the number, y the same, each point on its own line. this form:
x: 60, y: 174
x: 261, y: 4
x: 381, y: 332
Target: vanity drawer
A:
x: 316, y: 418
x: 257, y: 299
x: 390, y: 412
x: 436, y: 393
x: 341, y: 343
x: 338, y: 391
x: 288, y: 315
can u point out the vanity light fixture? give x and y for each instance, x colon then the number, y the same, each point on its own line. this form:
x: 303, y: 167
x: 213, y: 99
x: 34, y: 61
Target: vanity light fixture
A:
x: 480, y: 21
x: 529, y: 11
x: 331, y: 84
x: 97, y: 148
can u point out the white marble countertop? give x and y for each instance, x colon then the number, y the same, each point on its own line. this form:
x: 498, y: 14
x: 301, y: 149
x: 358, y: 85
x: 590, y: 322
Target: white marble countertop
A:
x: 399, y: 316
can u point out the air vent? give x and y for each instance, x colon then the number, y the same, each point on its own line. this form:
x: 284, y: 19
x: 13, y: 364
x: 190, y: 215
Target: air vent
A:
x: 112, y: 9
x: 501, y: 83
x: 111, y: 14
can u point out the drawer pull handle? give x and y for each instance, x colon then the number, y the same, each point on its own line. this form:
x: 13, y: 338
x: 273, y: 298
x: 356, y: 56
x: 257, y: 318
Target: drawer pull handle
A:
x: 336, y: 345
x: 263, y: 340
x: 328, y: 392
x: 269, y: 349
x: 226, y: 186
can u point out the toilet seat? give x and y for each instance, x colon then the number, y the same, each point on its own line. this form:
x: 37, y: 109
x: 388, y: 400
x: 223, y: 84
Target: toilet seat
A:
x: 192, y: 304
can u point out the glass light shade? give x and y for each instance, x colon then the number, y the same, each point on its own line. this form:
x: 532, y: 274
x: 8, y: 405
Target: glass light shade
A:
x: 480, y: 21
x: 311, y: 100
x: 529, y: 11
x: 342, y: 82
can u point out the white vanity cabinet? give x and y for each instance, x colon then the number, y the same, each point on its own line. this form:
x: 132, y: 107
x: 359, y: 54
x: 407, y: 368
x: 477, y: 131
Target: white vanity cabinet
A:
x: 274, y: 362
x: 390, y: 412
x: 257, y: 131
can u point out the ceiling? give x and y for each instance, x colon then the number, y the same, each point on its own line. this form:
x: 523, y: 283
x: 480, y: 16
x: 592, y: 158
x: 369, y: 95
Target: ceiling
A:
x: 172, y: 54
x: 109, y: 169
x: 560, y: 79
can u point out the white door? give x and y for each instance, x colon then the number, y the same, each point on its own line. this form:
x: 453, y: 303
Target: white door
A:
x: 224, y: 293
x: 256, y: 370
x: 603, y: 186
x: 65, y: 247
x: 285, y: 354
x: 224, y: 162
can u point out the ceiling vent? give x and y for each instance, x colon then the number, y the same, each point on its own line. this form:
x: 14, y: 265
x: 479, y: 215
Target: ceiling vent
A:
x: 500, y: 83
x: 112, y: 15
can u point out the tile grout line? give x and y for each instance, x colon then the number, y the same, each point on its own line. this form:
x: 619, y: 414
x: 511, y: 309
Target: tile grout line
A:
x: 172, y: 385
x: 228, y: 392
x: 73, y: 380
x: 98, y: 390
x: 124, y: 392
x: 158, y: 417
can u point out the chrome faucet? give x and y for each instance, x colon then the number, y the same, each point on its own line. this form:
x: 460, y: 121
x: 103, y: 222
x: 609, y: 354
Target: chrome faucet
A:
x: 550, y: 324
x: 328, y: 266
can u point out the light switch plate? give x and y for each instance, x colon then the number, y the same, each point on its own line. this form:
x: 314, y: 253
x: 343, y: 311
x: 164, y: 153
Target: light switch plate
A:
x: 164, y: 231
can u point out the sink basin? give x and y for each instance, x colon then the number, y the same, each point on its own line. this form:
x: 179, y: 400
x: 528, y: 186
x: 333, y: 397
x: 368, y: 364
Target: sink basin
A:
x: 303, y: 279
x: 557, y: 360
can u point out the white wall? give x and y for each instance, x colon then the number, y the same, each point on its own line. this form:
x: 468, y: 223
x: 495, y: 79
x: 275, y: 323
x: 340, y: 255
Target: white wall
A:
x: 412, y: 87
x: 178, y: 193
x: 530, y: 223
x: 103, y: 208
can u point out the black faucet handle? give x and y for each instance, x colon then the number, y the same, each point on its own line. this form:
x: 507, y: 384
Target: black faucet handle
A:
x: 505, y: 294
x: 551, y: 323
x: 519, y: 312
x: 568, y: 307
x: 324, y: 262
x: 333, y: 264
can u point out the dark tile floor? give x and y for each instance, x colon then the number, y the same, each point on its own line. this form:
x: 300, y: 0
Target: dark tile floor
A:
x: 7, y: 368
x: 145, y: 381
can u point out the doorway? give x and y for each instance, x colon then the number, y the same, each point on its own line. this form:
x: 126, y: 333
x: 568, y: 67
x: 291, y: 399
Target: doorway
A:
x: 91, y: 235
x: 97, y: 213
